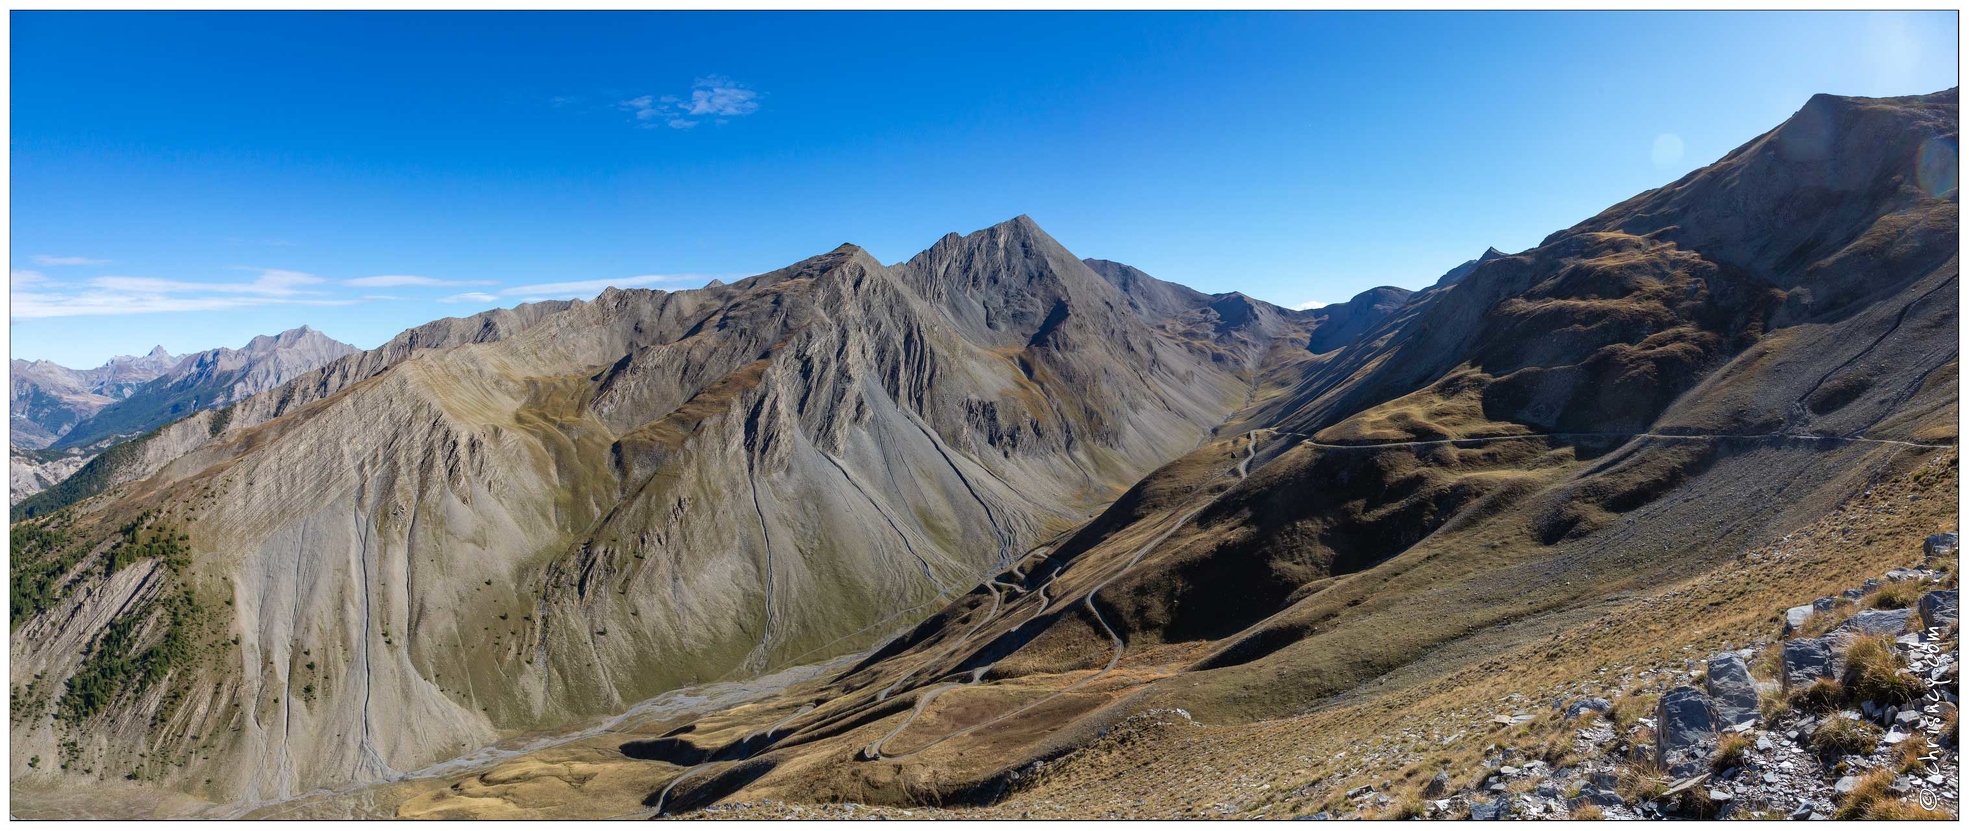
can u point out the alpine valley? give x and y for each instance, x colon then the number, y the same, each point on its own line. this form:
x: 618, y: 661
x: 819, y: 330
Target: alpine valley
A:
x: 998, y: 531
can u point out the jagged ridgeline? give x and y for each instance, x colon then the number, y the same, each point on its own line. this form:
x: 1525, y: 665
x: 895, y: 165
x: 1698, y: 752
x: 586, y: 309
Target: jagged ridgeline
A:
x: 1631, y: 446
x: 509, y: 521
x: 1274, y: 522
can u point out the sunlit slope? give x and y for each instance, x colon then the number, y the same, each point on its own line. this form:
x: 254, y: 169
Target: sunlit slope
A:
x: 1641, y: 398
x: 505, y: 522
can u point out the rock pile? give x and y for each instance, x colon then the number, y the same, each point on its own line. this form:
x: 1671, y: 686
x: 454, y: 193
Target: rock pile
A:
x: 1810, y: 744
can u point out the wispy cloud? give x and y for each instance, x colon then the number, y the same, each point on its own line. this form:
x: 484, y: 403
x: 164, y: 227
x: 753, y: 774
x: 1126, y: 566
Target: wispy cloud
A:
x: 47, y: 259
x: 470, y: 297
x: 576, y: 289
x: 395, y: 280
x: 272, y: 282
x: 35, y: 297
x: 1309, y: 305
x: 713, y: 96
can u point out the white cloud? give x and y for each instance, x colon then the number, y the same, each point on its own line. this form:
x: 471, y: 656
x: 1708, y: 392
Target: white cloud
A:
x: 44, y: 259
x: 470, y: 297
x: 590, y: 288
x: 272, y: 282
x: 1310, y: 305
x: 573, y: 289
x: 394, y: 280
x: 97, y: 302
x: 25, y: 278
x: 712, y: 96
x: 118, y: 295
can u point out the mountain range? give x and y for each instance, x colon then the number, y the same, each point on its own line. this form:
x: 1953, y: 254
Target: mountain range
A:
x: 71, y: 415
x: 1029, y: 497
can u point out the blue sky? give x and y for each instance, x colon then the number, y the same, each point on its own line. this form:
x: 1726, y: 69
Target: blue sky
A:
x: 191, y: 180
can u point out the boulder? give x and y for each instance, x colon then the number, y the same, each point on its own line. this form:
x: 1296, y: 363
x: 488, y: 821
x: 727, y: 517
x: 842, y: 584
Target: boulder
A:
x: 1606, y: 797
x: 1796, y: 617
x: 1825, y: 604
x: 1729, y: 685
x: 1685, y: 730
x: 1938, y: 609
x: 1438, y: 785
x: 1939, y: 545
x: 1597, y: 705
x: 1806, y: 660
x: 1496, y: 809
x: 1875, y: 622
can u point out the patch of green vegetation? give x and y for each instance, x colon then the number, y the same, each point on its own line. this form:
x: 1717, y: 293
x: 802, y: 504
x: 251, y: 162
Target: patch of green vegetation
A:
x: 118, y: 663
x: 161, y: 542
x: 156, y: 403
x: 39, y: 554
x: 92, y: 479
x: 220, y: 419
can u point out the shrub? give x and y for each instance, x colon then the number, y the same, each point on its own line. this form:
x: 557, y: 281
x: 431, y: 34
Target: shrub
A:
x: 1840, y: 736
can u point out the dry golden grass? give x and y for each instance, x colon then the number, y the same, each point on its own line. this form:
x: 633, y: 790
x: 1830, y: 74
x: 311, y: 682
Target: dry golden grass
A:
x: 1873, y: 673
x: 1895, y: 596
x: 1822, y: 696
x: 1731, y: 751
x: 1871, y: 789
x: 1840, y: 736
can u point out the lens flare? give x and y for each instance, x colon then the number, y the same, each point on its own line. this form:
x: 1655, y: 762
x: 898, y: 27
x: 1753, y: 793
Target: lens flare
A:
x: 1935, y: 165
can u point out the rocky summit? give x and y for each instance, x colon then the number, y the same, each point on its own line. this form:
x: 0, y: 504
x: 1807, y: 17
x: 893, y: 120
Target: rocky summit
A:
x: 1654, y: 519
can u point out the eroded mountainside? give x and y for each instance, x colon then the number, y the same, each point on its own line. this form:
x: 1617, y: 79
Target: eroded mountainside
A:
x: 1346, y: 531
x: 540, y: 514
x: 1639, y: 411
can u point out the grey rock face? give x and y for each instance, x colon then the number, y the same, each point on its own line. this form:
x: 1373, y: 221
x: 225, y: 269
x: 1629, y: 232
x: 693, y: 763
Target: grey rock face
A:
x: 1729, y: 685
x: 1940, y: 545
x: 1686, y: 725
x: 1495, y: 809
x: 1796, y: 617
x: 1438, y: 784
x: 1806, y: 660
x: 1938, y: 609
x: 1597, y: 705
x: 1875, y: 622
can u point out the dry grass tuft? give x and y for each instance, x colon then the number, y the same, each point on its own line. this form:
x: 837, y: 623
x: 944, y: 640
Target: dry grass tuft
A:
x: 1587, y: 812
x: 1630, y: 708
x: 1641, y: 781
x: 1731, y: 751
x: 1871, y: 789
x: 1840, y: 736
x: 1895, y: 596
x: 1873, y: 673
x: 1901, y: 809
x: 1823, y: 696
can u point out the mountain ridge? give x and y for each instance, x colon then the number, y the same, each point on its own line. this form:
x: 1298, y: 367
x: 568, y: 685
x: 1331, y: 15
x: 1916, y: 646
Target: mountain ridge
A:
x: 1178, y: 502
